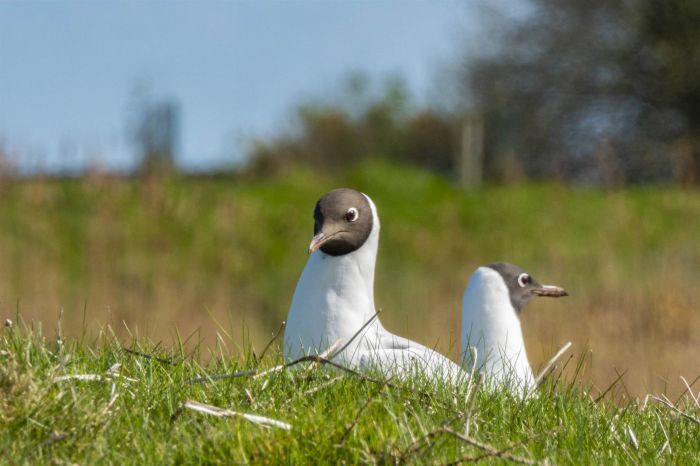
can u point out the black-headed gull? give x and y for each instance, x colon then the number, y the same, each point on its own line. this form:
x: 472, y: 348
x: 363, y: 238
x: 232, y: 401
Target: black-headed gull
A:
x: 491, y: 307
x: 334, y: 297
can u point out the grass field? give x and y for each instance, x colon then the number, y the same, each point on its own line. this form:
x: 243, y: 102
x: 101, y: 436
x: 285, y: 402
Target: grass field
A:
x: 87, y: 401
x: 215, y: 260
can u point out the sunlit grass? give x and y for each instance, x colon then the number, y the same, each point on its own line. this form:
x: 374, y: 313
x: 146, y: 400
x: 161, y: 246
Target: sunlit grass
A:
x: 135, y: 410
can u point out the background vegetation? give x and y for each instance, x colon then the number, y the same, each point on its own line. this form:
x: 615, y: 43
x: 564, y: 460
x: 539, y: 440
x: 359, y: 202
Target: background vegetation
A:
x: 222, y: 254
x: 588, y: 92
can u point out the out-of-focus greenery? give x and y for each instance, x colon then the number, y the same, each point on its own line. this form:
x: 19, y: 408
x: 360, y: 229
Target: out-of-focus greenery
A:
x: 207, y: 255
x: 602, y: 92
x: 363, y: 124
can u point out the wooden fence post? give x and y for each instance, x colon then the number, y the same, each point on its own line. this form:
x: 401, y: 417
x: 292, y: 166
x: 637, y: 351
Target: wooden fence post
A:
x: 471, y: 157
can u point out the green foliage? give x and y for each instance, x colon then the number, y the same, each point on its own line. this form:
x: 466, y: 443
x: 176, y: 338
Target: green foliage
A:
x: 189, y: 253
x: 334, y: 137
x: 154, y: 128
x: 600, y: 92
x: 132, y: 410
x: 671, y: 28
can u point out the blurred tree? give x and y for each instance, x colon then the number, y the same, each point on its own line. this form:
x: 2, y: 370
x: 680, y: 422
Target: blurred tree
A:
x: 572, y: 90
x: 330, y: 140
x: 8, y: 168
x: 154, y: 131
x: 333, y: 137
x: 382, y: 123
x: 672, y: 30
x: 430, y: 142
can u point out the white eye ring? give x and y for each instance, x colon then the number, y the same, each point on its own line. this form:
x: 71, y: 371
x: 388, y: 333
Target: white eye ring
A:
x: 523, y: 280
x: 352, y: 214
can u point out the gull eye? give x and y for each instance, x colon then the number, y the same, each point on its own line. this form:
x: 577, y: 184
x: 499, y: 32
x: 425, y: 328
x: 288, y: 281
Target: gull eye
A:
x: 523, y: 280
x: 351, y: 215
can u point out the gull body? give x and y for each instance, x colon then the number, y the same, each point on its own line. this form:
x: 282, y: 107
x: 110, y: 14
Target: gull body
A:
x: 334, y: 297
x: 491, y: 308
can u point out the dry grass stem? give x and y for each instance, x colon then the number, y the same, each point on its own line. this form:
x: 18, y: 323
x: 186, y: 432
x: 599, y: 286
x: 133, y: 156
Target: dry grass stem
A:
x: 690, y: 392
x: 671, y: 406
x: 148, y: 356
x: 610, y: 387
x: 106, y: 377
x: 490, y: 451
x: 633, y: 438
x: 322, y: 386
x: 364, y: 326
x: 545, y: 370
x: 221, y: 412
x: 474, y: 352
x: 667, y: 443
x: 272, y: 340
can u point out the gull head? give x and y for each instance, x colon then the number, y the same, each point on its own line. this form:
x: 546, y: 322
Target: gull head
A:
x: 522, y: 287
x: 343, y: 220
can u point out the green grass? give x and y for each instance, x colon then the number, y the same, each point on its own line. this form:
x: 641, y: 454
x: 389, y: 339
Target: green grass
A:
x: 192, y: 254
x: 136, y: 416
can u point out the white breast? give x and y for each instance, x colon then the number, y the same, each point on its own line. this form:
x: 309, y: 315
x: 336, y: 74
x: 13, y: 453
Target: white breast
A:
x: 333, y: 299
x: 491, y: 325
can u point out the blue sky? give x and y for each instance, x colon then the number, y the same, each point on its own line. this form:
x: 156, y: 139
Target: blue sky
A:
x: 67, y: 69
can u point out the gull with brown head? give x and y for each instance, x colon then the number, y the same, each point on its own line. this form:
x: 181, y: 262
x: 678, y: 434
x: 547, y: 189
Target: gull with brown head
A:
x: 334, y: 297
x: 493, y: 302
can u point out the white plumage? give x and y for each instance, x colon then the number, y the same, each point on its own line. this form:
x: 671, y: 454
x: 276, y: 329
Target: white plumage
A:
x: 491, y: 325
x: 334, y: 298
x: 493, y: 302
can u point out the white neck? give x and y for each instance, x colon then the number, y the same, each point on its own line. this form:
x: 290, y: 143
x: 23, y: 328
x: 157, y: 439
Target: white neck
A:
x: 334, y: 298
x: 490, y: 324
